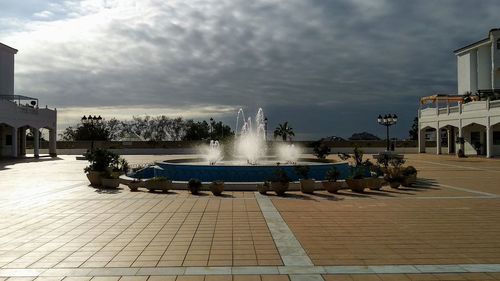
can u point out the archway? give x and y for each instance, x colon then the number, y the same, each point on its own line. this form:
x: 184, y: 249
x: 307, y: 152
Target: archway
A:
x: 475, y: 139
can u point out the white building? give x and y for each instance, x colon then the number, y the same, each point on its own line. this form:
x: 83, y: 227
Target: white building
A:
x: 472, y: 121
x: 20, y: 113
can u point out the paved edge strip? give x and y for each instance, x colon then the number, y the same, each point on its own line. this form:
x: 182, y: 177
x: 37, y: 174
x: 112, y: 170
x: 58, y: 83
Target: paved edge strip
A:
x: 290, y: 249
x: 244, y: 270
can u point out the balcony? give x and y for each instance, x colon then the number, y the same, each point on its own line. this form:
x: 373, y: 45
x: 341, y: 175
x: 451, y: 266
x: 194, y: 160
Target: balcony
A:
x: 482, y: 103
x: 17, y: 111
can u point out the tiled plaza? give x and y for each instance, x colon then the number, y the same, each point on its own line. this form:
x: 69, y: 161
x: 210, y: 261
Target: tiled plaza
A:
x: 55, y: 227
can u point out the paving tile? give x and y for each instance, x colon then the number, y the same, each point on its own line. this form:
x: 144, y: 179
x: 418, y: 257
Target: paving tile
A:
x: 162, y: 278
x: 447, y: 227
x: 306, y: 277
x: 246, y: 278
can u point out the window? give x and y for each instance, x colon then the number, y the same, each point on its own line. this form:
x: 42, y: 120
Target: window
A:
x: 8, y: 140
x: 496, y: 138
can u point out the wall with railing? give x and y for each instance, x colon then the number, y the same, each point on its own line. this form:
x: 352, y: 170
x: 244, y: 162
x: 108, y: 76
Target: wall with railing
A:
x: 471, y: 107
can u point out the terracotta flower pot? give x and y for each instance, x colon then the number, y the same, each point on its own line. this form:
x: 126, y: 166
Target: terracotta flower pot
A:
x: 332, y: 186
x: 163, y: 185
x: 307, y: 186
x: 217, y: 188
x: 279, y: 187
x: 110, y: 183
x: 394, y: 184
x: 409, y: 180
x: 94, y: 178
x: 262, y: 188
x: 376, y: 183
x: 356, y: 185
x: 134, y: 185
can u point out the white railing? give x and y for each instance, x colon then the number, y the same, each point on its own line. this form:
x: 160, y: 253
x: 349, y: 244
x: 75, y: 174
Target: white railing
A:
x: 495, y: 103
x: 468, y: 107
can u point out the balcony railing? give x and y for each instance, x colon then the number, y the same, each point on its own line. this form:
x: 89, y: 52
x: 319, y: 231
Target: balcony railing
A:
x: 33, y: 102
x: 24, y: 103
x: 461, y: 108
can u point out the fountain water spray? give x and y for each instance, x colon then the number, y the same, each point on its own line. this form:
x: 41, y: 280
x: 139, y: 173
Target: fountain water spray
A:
x: 213, y: 153
x: 288, y: 153
x: 251, y: 142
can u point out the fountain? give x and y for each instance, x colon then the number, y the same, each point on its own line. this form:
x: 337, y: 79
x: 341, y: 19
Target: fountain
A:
x: 250, y: 163
x: 251, y: 142
x: 288, y: 153
x: 213, y: 152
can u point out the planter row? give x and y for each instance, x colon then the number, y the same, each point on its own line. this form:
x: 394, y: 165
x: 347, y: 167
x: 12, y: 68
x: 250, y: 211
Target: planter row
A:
x: 307, y: 186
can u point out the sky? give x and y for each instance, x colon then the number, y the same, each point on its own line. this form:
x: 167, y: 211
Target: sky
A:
x: 328, y: 67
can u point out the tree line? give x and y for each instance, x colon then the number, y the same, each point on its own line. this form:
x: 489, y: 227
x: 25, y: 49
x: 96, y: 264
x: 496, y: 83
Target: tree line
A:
x: 148, y: 128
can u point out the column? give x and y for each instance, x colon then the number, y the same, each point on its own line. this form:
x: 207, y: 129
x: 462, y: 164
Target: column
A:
x: 438, y: 141
x: 36, y: 142
x: 421, y: 141
x: 23, y: 141
x: 15, y: 145
x: 461, y: 138
x: 489, y: 141
x: 450, y: 133
x: 52, y: 142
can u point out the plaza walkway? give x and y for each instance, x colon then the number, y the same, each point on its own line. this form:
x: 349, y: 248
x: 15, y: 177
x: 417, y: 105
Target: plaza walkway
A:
x: 55, y: 227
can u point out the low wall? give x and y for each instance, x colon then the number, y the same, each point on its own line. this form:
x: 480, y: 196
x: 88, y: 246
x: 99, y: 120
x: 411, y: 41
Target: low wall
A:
x: 190, y: 144
x: 180, y: 151
x: 190, y: 147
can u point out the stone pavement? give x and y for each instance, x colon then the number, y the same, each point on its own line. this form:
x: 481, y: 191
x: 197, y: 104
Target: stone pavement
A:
x: 55, y: 227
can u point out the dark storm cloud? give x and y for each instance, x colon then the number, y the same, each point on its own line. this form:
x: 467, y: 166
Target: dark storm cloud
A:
x: 329, y: 67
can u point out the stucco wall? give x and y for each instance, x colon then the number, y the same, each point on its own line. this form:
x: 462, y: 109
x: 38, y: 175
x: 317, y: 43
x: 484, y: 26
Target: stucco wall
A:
x: 5, y: 150
x: 463, y: 69
x: 484, y: 67
x: 6, y: 72
x: 16, y: 116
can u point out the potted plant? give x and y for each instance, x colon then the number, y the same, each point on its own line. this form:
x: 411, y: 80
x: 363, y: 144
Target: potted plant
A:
x: 393, y: 172
x: 263, y: 188
x: 194, y: 186
x: 357, y: 182
x: 394, y: 177
x: 330, y: 183
x: 280, y: 182
x: 117, y: 167
x: 409, y: 176
x: 217, y: 187
x: 93, y: 176
x: 377, y: 179
x: 306, y: 184
x: 100, y: 160
x: 135, y: 184
x: 158, y: 183
x: 110, y: 179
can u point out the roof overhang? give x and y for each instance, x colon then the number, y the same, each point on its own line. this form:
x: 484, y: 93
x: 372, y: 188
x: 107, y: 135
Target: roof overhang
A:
x: 476, y: 44
x: 472, y: 46
x: 8, y: 49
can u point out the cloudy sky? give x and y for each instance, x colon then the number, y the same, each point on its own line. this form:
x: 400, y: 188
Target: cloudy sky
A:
x: 328, y: 67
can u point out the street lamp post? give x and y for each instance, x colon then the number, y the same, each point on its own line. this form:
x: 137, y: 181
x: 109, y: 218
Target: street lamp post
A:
x: 387, y: 121
x: 265, y: 128
x: 91, y: 122
x: 211, y: 128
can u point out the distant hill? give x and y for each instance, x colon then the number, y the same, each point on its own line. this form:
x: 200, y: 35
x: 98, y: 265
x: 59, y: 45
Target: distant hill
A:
x: 363, y: 136
x: 332, y: 138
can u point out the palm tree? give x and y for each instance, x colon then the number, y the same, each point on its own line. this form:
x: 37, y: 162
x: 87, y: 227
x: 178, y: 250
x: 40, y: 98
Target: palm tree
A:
x: 284, y: 131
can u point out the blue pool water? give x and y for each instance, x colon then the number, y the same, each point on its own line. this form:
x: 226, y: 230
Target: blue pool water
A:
x: 236, y: 173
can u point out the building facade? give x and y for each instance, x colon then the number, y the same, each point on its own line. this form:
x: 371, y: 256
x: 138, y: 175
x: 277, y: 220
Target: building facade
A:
x: 471, y: 118
x: 20, y: 114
